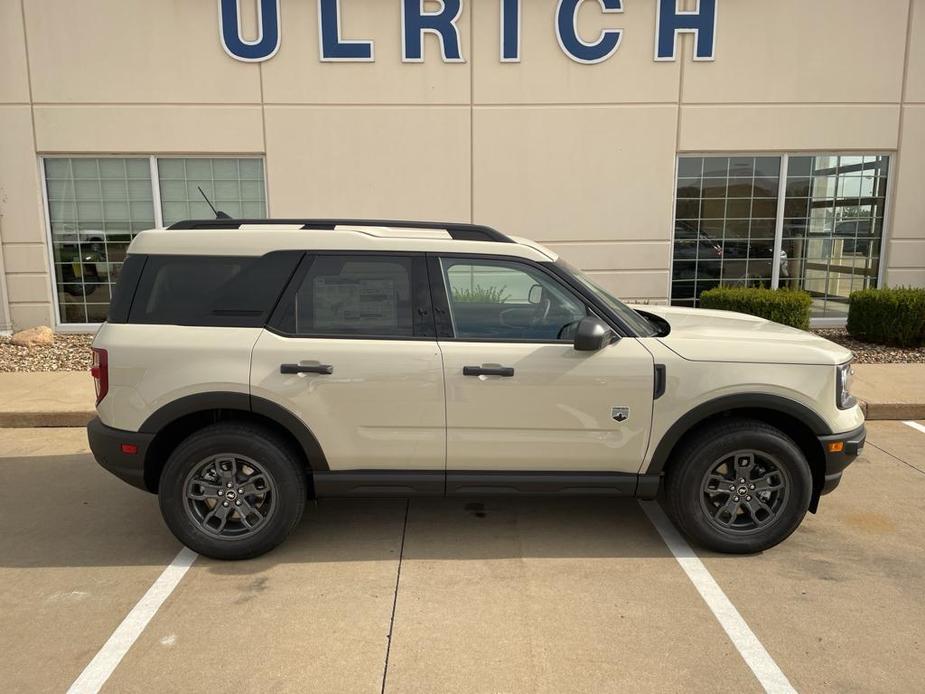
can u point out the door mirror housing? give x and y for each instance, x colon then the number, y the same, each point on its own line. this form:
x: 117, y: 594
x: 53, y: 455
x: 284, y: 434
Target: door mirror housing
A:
x: 536, y: 294
x: 592, y: 334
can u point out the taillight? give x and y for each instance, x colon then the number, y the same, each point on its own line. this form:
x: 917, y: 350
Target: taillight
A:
x: 100, y: 373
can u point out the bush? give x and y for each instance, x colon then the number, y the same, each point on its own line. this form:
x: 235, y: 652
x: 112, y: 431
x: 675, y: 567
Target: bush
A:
x: 481, y: 295
x: 787, y: 306
x: 888, y: 316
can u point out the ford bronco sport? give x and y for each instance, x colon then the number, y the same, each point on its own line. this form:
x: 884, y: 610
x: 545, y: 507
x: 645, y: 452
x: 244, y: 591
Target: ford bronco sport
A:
x: 247, y: 366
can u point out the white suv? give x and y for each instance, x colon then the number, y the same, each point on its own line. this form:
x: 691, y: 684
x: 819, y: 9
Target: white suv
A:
x: 247, y: 366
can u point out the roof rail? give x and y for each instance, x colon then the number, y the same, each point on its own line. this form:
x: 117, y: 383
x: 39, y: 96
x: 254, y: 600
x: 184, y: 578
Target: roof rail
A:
x: 456, y: 230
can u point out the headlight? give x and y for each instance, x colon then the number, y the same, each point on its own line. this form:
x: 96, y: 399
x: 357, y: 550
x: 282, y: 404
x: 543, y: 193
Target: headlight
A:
x: 843, y: 376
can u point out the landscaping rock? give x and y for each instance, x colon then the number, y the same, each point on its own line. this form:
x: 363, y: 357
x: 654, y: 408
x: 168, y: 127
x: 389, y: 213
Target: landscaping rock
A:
x: 70, y: 352
x: 41, y: 336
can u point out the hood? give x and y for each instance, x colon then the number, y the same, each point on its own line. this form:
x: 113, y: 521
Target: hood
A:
x: 724, y: 336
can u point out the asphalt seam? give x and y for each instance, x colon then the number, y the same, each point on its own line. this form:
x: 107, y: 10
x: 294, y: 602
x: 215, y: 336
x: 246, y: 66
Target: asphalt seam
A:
x: 401, y: 553
x: 895, y: 457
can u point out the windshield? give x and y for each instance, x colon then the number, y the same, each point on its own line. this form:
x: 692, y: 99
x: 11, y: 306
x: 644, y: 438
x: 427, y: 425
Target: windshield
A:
x: 639, y: 325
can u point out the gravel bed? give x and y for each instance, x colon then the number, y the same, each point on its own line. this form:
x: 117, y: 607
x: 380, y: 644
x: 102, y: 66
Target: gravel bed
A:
x: 868, y: 353
x: 72, y: 353
x: 68, y: 353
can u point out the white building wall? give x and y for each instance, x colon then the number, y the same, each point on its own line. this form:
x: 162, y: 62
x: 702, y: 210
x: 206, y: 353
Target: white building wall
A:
x: 578, y: 156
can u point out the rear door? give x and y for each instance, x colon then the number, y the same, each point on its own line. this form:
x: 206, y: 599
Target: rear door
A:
x: 351, y: 351
x: 519, y: 396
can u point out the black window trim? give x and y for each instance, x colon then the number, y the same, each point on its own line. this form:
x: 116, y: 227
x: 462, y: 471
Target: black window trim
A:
x: 420, y: 297
x: 121, y: 309
x: 443, y: 320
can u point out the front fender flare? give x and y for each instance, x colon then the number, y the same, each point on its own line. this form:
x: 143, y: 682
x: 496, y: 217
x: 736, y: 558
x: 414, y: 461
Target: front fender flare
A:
x: 731, y: 403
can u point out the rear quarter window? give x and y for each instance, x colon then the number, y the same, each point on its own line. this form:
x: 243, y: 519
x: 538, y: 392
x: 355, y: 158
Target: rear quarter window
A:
x: 232, y: 291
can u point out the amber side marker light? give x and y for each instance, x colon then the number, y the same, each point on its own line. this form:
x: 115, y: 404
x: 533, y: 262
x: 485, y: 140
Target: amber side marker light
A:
x: 836, y: 446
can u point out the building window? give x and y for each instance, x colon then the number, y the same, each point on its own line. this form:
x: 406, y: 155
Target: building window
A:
x: 235, y: 186
x: 828, y: 236
x: 96, y: 206
x: 833, y: 228
x: 724, y: 228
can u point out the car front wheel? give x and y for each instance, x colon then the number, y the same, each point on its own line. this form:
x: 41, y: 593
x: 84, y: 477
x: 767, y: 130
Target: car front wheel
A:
x: 741, y: 487
x: 232, y: 491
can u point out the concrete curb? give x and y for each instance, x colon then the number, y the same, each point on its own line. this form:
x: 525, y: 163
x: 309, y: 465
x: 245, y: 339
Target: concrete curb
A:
x: 21, y: 420
x: 876, y: 411
x: 24, y: 420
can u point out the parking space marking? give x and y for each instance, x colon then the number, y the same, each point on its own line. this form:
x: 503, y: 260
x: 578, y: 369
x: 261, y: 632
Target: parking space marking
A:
x: 769, y: 675
x: 916, y: 426
x: 110, y: 655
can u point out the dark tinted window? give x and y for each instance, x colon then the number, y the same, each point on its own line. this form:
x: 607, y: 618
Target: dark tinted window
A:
x: 353, y: 296
x: 233, y: 291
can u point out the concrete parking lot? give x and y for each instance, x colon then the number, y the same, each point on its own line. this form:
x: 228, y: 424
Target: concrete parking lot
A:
x: 480, y: 595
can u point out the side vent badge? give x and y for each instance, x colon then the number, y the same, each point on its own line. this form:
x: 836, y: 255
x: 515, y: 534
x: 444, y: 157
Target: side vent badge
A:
x: 619, y: 414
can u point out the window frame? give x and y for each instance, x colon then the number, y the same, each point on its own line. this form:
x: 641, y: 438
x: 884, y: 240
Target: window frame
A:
x: 422, y: 311
x: 70, y: 327
x: 784, y: 157
x: 440, y: 297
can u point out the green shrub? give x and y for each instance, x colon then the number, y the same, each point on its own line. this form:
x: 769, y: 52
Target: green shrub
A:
x: 787, y: 306
x: 481, y: 295
x: 888, y: 316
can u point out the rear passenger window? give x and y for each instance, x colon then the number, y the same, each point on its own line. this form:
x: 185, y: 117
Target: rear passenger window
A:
x: 353, y: 296
x: 232, y: 291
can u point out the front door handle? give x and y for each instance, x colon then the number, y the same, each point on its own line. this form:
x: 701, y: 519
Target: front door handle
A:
x: 324, y: 369
x: 506, y: 371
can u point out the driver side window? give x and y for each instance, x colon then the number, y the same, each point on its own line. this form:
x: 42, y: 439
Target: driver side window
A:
x: 501, y: 300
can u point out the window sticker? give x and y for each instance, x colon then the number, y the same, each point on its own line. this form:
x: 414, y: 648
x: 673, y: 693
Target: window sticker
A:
x: 340, y: 303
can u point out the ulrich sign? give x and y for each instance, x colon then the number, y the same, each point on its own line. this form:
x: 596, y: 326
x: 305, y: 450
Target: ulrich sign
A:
x: 416, y: 21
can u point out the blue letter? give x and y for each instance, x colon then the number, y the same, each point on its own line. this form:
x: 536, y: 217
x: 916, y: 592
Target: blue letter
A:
x: 229, y: 30
x: 570, y: 41
x: 415, y: 22
x: 510, y: 31
x: 333, y: 49
x: 670, y: 22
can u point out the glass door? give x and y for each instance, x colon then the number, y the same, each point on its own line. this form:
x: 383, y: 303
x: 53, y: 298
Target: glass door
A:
x: 833, y: 227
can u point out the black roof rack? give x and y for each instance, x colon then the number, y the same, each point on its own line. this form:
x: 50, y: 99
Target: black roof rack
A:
x: 456, y: 230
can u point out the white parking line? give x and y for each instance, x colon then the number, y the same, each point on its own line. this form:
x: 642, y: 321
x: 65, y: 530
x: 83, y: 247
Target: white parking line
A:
x: 110, y: 655
x: 915, y: 425
x: 769, y: 675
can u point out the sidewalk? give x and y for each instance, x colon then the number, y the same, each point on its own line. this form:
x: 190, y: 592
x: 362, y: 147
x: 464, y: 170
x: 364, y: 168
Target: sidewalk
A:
x: 65, y: 398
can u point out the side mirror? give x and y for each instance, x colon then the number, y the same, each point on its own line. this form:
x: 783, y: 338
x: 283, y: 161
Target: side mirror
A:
x: 536, y: 294
x: 592, y: 334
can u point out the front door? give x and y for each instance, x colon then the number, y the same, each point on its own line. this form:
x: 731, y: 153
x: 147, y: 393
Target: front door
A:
x: 351, y: 352
x: 519, y: 396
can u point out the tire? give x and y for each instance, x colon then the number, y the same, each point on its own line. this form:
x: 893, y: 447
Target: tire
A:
x: 239, y: 520
x: 708, y: 502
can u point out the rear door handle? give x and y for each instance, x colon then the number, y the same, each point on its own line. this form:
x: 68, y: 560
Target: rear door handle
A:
x: 324, y: 369
x: 506, y: 371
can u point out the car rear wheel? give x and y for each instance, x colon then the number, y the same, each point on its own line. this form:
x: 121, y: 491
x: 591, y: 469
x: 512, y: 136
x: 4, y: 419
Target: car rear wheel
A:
x: 232, y: 491
x: 742, y: 487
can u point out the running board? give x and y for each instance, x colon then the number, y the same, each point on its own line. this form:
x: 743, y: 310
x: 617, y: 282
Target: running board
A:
x: 394, y: 483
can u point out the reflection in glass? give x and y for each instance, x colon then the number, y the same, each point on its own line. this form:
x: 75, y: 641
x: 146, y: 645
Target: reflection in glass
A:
x: 832, y: 228
x: 831, y: 231
x: 724, y: 228
x: 95, y: 206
